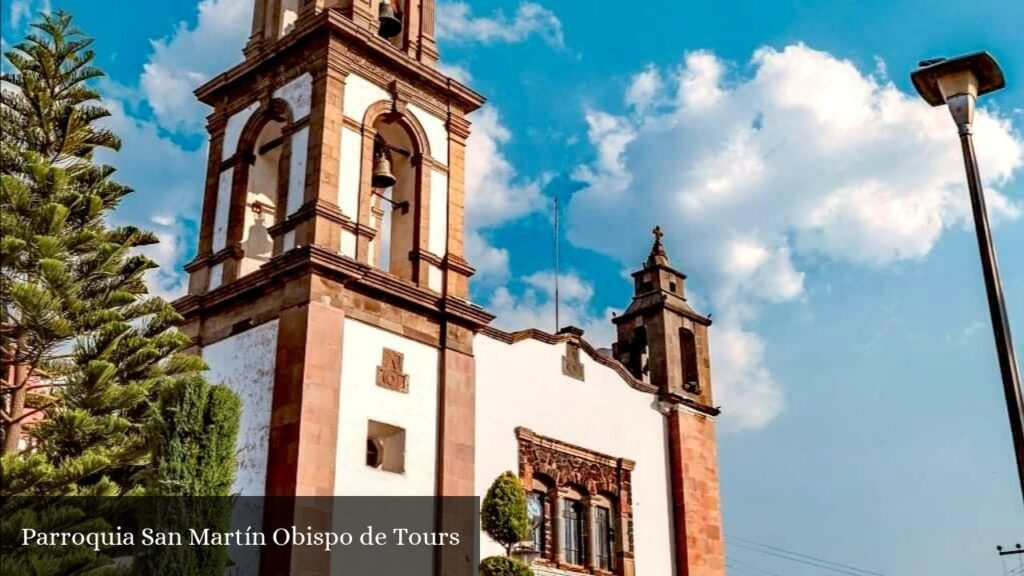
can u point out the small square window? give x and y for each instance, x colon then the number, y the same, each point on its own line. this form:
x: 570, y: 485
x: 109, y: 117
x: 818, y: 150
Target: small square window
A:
x: 385, y: 447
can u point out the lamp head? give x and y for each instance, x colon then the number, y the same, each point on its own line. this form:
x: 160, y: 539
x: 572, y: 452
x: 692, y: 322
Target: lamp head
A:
x: 939, y: 79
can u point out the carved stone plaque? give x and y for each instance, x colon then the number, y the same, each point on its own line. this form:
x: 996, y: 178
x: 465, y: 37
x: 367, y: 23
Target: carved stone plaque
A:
x: 571, y: 364
x: 389, y: 373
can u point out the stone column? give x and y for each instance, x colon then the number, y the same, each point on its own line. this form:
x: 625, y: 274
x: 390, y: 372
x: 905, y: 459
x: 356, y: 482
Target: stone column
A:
x: 559, y: 535
x: 304, y: 418
x: 696, y: 505
x: 590, y: 540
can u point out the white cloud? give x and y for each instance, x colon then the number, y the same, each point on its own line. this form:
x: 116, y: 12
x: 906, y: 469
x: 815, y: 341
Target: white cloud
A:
x: 23, y: 11
x: 807, y: 156
x: 535, y: 307
x: 456, y: 23
x: 191, y: 55
x: 643, y: 88
x: 168, y: 183
x: 495, y: 194
x: 168, y: 178
x: 460, y: 73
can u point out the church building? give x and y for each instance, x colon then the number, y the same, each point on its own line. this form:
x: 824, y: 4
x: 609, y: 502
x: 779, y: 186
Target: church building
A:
x: 330, y: 291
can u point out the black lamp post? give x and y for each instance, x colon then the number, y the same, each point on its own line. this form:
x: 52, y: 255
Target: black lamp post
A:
x: 958, y: 82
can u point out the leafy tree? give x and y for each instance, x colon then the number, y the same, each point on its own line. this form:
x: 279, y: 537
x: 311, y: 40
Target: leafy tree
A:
x: 193, y: 446
x: 503, y: 514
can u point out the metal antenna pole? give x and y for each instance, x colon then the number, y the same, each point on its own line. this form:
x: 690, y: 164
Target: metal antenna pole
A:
x: 996, y: 304
x: 558, y: 324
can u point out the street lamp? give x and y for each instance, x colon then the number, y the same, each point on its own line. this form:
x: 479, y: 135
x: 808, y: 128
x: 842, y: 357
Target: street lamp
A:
x: 958, y: 82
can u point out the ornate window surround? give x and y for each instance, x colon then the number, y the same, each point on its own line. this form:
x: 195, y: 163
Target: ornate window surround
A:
x: 597, y: 479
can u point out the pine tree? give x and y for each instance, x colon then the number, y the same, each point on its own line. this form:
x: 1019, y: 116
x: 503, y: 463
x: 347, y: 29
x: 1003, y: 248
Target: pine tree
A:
x: 85, y: 345
x: 97, y: 396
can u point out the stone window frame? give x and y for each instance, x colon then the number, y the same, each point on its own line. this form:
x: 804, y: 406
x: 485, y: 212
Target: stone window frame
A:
x: 571, y: 472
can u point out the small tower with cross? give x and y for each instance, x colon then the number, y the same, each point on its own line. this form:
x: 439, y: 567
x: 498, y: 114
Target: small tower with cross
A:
x: 663, y: 341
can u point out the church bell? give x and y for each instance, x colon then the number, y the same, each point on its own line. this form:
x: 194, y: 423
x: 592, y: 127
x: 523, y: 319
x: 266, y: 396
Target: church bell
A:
x: 382, y: 176
x: 390, y: 25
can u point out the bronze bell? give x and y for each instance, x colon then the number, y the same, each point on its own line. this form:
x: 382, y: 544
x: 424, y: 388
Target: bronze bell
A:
x: 382, y: 176
x: 390, y: 25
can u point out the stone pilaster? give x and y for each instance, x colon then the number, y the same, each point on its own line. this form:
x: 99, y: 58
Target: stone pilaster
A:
x: 696, y: 504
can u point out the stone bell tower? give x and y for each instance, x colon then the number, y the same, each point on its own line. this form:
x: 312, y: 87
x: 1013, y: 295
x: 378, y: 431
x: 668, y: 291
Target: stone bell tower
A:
x: 313, y: 272
x: 662, y: 340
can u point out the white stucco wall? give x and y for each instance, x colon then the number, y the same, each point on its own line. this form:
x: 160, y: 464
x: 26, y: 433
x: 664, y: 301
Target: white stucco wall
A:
x: 437, y: 242
x: 349, y: 169
x: 297, y: 171
x: 362, y: 400
x: 437, y: 133
x: 522, y: 385
x: 233, y: 130
x: 220, y: 211
x: 298, y: 94
x: 360, y: 93
x: 245, y: 363
x: 216, y: 275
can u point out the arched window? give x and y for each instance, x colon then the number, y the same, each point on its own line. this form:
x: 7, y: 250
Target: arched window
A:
x: 262, y: 195
x: 539, y: 506
x: 394, y: 207
x: 603, y: 532
x: 574, y: 528
x: 689, y: 361
x: 639, y: 355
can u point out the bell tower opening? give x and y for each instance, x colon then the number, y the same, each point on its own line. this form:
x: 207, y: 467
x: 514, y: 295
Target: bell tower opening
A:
x: 261, y: 198
x: 394, y: 199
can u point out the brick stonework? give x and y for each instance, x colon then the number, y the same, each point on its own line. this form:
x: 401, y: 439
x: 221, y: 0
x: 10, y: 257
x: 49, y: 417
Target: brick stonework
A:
x: 696, y: 505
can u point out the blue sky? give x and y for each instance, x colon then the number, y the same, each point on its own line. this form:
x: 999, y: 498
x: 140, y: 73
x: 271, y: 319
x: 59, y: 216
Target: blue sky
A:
x: 817, y: 207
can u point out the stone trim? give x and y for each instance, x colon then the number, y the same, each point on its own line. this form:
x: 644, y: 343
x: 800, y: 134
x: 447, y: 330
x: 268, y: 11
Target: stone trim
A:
x: 357, y: 277
x: 373, y: 56
x: 599, y: 475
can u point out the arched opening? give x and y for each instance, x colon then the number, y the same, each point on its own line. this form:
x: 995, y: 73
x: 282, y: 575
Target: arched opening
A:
x: 689, y: 361
x: 639, y: 355
x: 262, y: 196
x: 604, y: 533
x: 574, y: 526
x: 289, y: 15
x: 394, y: 207
x: 539, y: 505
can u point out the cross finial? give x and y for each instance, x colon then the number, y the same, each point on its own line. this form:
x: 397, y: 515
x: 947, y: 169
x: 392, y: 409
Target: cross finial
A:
x: 658, y: 248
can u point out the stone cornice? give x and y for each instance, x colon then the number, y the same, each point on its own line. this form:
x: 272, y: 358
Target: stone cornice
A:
x: 547, y: 338
x: 342, y: 269
x: 365, y: 48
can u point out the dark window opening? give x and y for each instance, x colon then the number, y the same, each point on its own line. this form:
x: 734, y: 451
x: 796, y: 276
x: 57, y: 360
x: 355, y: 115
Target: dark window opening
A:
x: 575, y: 533
x: 537, y: 507
x: 689, y: 361
x: 374, y: 457
x: 604, y: 537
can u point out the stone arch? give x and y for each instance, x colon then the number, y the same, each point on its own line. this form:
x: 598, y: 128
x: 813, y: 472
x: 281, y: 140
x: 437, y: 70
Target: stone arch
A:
x: 260, y: 183
x: 397, y: 216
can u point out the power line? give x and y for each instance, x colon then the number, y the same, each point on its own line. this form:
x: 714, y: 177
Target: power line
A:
x: 801, y: 558
x: 743, y: 565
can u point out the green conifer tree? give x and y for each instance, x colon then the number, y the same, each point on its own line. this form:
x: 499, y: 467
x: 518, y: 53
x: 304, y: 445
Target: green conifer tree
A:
x: 91, y: 365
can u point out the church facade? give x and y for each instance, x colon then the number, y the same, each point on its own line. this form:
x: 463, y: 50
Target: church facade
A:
x: 331, y: 292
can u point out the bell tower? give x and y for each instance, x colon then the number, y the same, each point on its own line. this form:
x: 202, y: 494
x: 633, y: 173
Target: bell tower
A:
x: 662, y: 340
x: 330, y: 250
